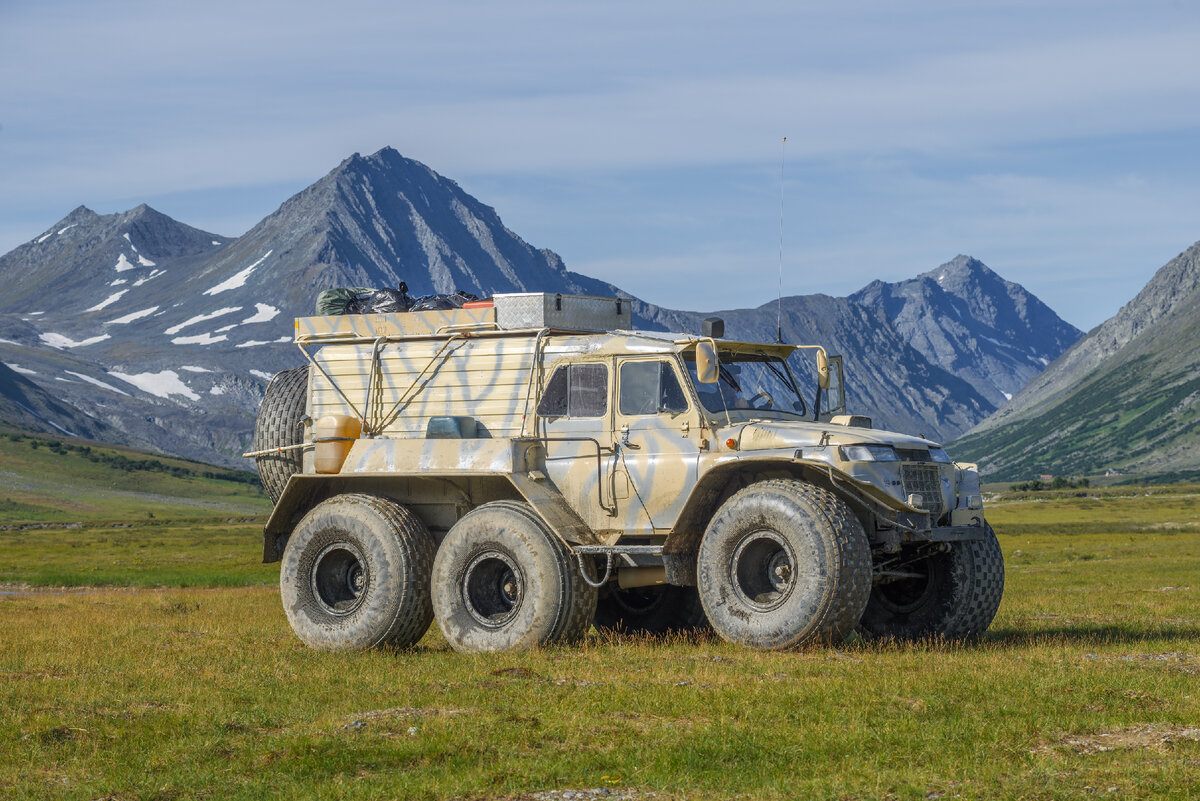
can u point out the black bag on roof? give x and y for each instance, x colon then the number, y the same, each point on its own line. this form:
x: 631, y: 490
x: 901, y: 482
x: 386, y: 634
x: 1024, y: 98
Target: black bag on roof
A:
x: 442, y: 302
x: 364, y: 300
x: 381, y: 301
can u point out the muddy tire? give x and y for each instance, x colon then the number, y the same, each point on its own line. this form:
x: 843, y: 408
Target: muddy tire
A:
x: 278, y: 426
x: 664, y: 609
x: 355, y: 574
x: 503, y: 581
x: 784, y: 563
x: 956, y: 598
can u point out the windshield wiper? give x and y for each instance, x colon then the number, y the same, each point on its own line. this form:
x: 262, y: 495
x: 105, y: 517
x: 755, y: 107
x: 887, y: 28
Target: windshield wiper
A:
x: 729, y: 379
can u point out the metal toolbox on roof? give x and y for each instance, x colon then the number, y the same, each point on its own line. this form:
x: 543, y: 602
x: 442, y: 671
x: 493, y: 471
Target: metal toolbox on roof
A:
x: 572, y: 312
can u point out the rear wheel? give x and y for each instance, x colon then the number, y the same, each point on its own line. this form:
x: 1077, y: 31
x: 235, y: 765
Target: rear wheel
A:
x: 952, y: 594
x: 784, y: 563
x: 278, y: 426
x: 504, y: 581
x: 355, y: 574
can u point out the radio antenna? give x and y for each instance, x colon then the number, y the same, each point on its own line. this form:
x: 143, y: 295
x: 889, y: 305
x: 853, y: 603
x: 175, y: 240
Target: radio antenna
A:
x: 779, y: 301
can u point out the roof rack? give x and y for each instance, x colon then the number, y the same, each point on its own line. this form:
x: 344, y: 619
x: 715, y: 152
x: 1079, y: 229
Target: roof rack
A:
x: 514, y: 311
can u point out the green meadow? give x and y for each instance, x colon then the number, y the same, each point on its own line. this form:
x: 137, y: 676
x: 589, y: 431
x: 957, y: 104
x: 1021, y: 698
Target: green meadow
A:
x: 148, y: 658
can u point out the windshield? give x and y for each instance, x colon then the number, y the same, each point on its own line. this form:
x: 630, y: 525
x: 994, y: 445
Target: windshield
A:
x: 748, y: 381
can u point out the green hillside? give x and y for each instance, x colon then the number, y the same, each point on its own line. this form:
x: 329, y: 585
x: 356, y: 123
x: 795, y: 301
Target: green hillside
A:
x: 47, y: 479
x: 1139, y: 412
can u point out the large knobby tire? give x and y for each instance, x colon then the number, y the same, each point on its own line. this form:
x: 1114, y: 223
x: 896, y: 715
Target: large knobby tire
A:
x: 956, y: 598
x: 278, y: 426
x: 355, y: 574
x: 502, y: 581
x: 782, y: 564
x: 662, y: 609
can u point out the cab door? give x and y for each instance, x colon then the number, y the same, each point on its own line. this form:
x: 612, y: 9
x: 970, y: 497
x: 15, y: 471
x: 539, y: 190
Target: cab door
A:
x: 574, y: 417
x: 656, y: 434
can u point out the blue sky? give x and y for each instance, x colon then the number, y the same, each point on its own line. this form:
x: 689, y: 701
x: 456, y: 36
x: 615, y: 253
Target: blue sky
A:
x: 1059, y: 142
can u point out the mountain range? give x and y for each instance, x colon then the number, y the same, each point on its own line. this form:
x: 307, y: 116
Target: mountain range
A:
x: 138, y: 329
x: 1125, y: 398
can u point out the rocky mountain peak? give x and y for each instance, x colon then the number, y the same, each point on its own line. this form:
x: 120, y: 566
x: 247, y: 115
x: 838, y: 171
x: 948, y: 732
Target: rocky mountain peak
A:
x: 1171, y: 292
x: 169, y: 334
x: 965, y: 318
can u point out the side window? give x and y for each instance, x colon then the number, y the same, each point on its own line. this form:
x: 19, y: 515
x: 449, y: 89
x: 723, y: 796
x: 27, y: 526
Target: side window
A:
x: 650, y: 388
x: 554, y: 399
x: 671, y: 396
x: 587, y: 395
x: 576, y: 390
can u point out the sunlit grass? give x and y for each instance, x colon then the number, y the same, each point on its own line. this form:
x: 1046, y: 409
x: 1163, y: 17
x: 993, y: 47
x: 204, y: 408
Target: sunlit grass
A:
x: 1085, y: 687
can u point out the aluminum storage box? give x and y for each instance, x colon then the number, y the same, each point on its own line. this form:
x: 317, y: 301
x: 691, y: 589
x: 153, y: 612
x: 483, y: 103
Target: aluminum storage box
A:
x: 570, y: 312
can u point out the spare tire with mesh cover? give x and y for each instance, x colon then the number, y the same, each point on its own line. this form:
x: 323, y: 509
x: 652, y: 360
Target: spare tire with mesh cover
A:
x: 279, y: 426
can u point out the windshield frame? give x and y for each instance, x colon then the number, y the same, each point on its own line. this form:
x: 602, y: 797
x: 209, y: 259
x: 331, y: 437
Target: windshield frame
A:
x: 726, y: 382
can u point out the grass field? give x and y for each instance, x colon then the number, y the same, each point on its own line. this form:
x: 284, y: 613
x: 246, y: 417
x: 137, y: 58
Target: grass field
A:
x: 183, y: 681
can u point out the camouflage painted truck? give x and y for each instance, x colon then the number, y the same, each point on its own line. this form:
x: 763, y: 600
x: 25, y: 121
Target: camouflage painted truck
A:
x: 522, y: 469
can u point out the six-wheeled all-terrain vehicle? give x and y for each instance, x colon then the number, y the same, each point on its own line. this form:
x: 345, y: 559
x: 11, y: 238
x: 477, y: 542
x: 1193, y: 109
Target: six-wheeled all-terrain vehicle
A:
x: 524, y: 468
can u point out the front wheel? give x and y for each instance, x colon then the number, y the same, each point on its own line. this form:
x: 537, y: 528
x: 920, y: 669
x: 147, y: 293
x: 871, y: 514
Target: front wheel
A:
x: 784, y: 563
x: 952, y: 594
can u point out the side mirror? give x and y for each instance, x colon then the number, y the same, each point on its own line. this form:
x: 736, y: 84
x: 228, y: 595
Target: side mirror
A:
x: 822, y: 370
x: 707, y: 367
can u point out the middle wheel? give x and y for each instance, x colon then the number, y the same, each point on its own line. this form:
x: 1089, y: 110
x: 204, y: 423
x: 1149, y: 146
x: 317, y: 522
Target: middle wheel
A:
x: 502, y: 580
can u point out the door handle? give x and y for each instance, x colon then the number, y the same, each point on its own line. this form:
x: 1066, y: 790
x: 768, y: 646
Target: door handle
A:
x: 625, y: 439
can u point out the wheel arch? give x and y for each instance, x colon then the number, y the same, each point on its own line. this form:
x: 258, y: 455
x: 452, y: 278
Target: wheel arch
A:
x: 719, y: 484
x: 437, y: 501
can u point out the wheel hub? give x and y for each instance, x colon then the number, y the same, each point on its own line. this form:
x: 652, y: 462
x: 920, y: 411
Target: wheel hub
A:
x: 493, y: 588
x: 762, y: 570
x: 340, y: 578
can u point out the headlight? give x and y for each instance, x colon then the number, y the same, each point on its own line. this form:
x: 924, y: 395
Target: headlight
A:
x: 939, y: 455
x: 869, y: 453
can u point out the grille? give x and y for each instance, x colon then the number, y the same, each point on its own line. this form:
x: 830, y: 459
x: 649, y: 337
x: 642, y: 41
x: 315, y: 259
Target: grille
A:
x: 924, y: 480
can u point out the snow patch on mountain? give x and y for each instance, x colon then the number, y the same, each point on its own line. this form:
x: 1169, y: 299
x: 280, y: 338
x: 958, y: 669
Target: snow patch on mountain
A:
x: 237, y: 280
x: 262, y: 375
x: 137, y: 315
x: 16, y: 368
x: 198, y: 339
x: 59, y: 341
x: 123, y: 264
x: 191, y: 368
x: 162, y: 384
x: 199, y: 318
x: 265, y: 314
x: 145, y: 278
x: 97, y: 382
x: 110, y: 300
